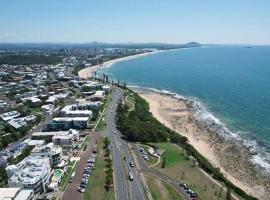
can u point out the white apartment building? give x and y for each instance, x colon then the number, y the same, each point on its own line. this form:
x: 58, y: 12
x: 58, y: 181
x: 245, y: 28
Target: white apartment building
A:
x: 33, y: 172
x: 68, y: 123
x: 51, y: 151
x: 72, y: 111
x: 62, y: 138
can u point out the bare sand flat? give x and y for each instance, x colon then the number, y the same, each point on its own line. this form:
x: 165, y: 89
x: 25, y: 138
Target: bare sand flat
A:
x: 176, y: 114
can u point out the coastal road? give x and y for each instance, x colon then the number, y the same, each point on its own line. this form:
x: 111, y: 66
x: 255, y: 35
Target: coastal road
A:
x: 71, y: 192
x: 135, y: 187
x: 125, y: 189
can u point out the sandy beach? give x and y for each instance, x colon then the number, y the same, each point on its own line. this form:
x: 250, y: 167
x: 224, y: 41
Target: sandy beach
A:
x: 230, y: 158
x: 85, y: 73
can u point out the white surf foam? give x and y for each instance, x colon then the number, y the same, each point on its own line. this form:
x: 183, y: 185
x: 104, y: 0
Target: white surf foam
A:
x: 209, y: 121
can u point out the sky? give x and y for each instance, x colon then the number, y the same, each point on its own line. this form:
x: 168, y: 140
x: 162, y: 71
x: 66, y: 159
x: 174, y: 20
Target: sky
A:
x: 124, y: 21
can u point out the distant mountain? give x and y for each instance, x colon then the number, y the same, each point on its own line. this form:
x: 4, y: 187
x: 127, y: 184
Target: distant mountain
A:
x: 193, y: 44
x: 96, y: 44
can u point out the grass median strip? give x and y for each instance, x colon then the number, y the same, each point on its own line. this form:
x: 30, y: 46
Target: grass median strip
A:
x: 161, y: 190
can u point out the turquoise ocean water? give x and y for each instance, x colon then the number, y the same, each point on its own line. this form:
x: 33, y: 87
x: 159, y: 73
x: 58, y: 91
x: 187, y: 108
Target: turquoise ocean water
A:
x: 231, y: 82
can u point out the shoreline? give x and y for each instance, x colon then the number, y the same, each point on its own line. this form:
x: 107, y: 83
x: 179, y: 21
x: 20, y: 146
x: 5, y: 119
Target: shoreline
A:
x: 85, y: 73
x: 180, y: 114
x: 228, y: 155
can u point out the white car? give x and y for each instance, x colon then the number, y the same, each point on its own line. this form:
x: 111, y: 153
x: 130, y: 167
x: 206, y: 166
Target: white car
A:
x: 81, y: 190
x: 119, y: 143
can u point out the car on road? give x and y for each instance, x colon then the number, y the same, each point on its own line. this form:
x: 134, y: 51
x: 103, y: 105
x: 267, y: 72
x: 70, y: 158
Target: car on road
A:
x: 72, y: 177
x: 131, y: 164
x: 114, y: 132
x: 119, y: 143
x: 130, y: 176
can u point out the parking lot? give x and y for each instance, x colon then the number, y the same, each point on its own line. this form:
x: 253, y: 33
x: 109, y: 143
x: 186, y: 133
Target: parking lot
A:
x: 71, y: 192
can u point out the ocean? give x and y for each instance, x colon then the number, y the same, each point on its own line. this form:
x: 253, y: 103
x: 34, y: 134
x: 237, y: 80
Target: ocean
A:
x: 231, y: 82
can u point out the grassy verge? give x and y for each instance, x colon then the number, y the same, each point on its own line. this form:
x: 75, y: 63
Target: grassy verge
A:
x: 66, y: 177
x: 101, y: 125
x: 65, y: 180
x: 180, y: 167
x: 96, y: 187
x: 161, y: 190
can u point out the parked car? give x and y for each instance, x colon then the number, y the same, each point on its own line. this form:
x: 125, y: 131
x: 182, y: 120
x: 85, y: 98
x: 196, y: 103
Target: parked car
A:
x: 81, y: 189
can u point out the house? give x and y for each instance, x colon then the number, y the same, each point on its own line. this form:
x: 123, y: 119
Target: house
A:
x: 98, y: 96
x: 9, y: 115
x: 47, y: 109
x: 106, y: 88
x: 18, y: 123
x: 55, y: 98
x: 4, y: 106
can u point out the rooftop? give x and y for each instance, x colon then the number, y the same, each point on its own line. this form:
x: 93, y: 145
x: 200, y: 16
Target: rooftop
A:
x: 54, y: 133
x: 30, y: 169
x: 8, y: 193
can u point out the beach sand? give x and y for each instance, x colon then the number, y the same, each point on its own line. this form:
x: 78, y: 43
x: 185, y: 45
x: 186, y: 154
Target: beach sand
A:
x: 85, y: 73
x: 232, y: 161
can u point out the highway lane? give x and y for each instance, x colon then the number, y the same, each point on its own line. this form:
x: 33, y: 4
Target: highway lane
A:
x: 122, y: 185
x: 135, y: 187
